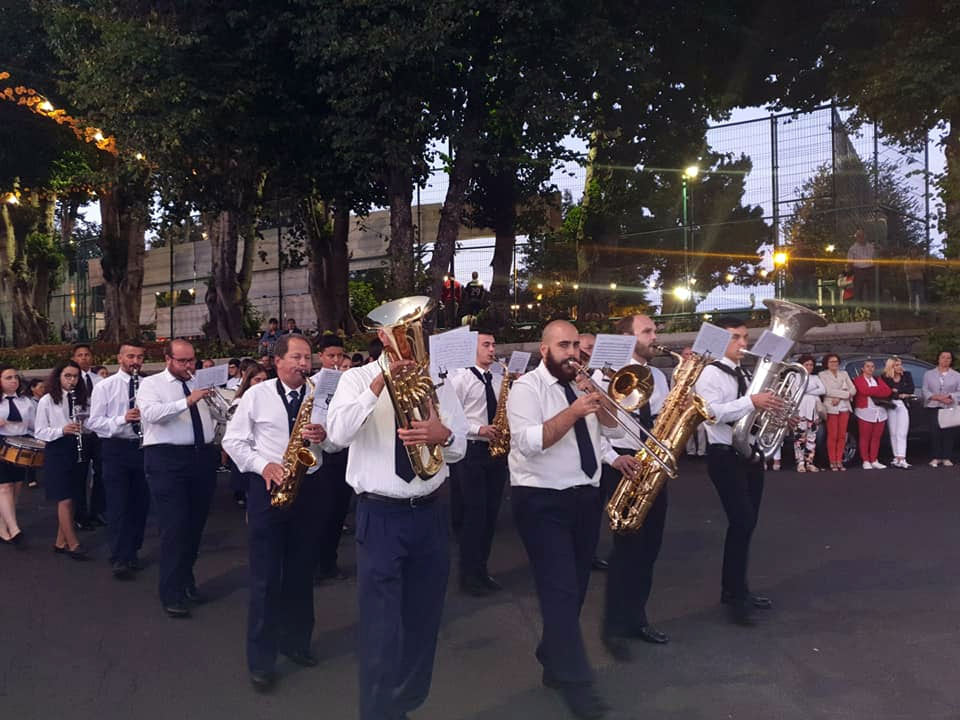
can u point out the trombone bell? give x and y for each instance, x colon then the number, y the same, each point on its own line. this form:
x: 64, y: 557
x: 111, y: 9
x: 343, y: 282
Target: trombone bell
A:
x: 631, y: 387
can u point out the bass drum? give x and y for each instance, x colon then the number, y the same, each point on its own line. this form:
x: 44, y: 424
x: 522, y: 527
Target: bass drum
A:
x: 22, y: 451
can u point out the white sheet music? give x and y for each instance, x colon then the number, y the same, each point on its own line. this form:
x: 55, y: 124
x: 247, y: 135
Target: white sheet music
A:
x: 711, y: 340
x: 519, y: 360
x: 452, y: 350
x: 614, y: 351
x: 210, y: 377
x: 325, y: 385
x: 775, y: 347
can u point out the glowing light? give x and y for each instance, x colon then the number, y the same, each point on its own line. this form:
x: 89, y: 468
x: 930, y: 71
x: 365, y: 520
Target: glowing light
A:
x: 539, y: 297
x: 539, y: 286
x: 98, y: 136
x: 691, y: 171
x: 192, y: 291
x: 729, y: 277
x: 830, y: 248
x: 576, y: 286
x: 529, y: 306
x: 73, y: 304
x: 764, y: 273
x: 613, y: 286
x: 557, y: 283
x: 682, y: 293
x: 11, y: 199
x: 693, y: 281
x: 446, y: 278
x: 45, y: 106
x: 780, y: 259
x: 139, y: 156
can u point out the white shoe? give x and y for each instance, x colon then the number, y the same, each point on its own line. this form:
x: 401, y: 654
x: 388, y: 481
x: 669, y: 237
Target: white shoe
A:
x: 905, y: 465
x: 877, y: 465
x: 934, y: 463
x: 867, y: 466
x: 947, y: 463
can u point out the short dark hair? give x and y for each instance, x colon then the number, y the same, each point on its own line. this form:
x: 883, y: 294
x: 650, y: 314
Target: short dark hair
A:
x: 625, y: 325
x: 805, y: 358
x: 283, y: 344
x: 950, y: 352
x: 234, y: 361
x: 826, y: 358
x: 486, y: 331
x: 331, y: 340
x: 375, y: 348
x: 131, y: 342
x: 80, y: 346
x: 4, y: 368
x: 728, y: 322
x: 357, y: 358
x: 273, y: 320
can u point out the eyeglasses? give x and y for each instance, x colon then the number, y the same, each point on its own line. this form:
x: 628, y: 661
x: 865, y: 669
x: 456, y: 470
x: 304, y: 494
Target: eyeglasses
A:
x: 183, y: 361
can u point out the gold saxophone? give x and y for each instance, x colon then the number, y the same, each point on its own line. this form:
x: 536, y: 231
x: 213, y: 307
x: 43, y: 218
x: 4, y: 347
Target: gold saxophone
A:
x: 411, y: 389
x: 501, y: 446
x: 683, y: 410
x: 297, y: 458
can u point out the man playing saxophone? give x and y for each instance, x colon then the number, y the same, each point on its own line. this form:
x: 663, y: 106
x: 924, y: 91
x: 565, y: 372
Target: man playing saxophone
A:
x: 630, y: 575
x: 403, y: 558
x: 479, y: 478
x: 723, y: 386
x: 283, y: 542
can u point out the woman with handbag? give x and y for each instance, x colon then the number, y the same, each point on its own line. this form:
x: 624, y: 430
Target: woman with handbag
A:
x: 871, y: 414
x: 898, y: 415
x: 838, y: 391
x: 941, y: 394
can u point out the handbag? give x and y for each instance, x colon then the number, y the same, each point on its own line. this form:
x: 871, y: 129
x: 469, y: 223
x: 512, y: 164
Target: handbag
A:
x: 948, y: 417
x: 885, y: 403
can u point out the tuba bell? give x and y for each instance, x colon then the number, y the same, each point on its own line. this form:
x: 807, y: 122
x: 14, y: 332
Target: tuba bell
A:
x: 411, y: 389
x: 757, y: 435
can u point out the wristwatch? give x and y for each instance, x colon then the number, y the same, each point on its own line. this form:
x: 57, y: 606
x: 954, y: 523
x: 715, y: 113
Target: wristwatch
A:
x: 449, y: 441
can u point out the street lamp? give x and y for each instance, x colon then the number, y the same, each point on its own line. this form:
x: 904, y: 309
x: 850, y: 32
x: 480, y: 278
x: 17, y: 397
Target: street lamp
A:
x: 690, y: 173
x: 780, y: 259
x: 830, y: 248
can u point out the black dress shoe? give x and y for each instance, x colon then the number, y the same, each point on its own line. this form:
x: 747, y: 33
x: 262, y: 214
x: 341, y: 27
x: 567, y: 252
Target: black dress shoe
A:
x: 761, y: 602
x: 17, y: 541
x: 549, y: 680
x: 651, y: 635
x: 194, y: 596
x: 474, y: 586
x: 584, y: 702
x: 177, y: 610
x: 263, y: 681
x: 98, y: 521
x: 78, y: 553
x: 84, y: 526
x: 58, y: 550
x: 302, y: 657
x: 490, y: 583
x: 600, y: 564
x: 121, y: 571
x: 617, y: 646
x: 135, y: 564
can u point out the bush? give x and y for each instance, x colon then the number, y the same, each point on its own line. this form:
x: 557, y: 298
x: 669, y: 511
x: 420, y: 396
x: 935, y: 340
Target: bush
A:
x: 46, y: 356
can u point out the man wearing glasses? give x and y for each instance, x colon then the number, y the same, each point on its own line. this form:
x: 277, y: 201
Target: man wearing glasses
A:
x: 180, y: 461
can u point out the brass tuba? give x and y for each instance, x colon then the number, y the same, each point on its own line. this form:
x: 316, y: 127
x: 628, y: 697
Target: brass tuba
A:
x: 758, y: 434
x: 682, y: 411
x: 411, y: 390
x: 297, y: 457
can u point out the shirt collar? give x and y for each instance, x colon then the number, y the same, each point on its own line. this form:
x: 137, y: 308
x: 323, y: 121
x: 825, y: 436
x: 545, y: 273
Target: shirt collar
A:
x: 728, y: 362
x: 287, y: 389
x: 545, y: 374
x: 123, y: 374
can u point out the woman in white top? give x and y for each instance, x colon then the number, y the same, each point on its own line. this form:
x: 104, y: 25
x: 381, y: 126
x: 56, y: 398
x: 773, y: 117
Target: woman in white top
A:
x: 64, y: 468
x: 809, y: 411
x: 898, y: 416
x: 253, y: 375
x: 872, y: 394
x: 838, y: 390
x: 16, y: 418
x: 941, y: 390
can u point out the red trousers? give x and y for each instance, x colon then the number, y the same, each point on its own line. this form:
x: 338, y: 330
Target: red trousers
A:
x: 836, y: 436
x: 870, y: 434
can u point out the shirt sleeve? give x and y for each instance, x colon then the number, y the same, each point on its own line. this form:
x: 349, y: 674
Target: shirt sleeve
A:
x: 524, y: 411
x: 102, y: 424
x: 454, y: 419
x: 47, y: 428
x: 721, y: 411
x: 607, y: 453
x: 459, y: 383
x: 350, y: 407
x: 153, y: 409
x: 238, y: 440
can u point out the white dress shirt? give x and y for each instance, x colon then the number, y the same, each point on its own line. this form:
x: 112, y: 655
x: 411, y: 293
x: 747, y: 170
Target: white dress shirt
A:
x: 233, y: 383
x: 51, y: 417
x: 719, y: 391
x: 872, y: 412
x: 534, y: 399
x: 807, y: 408
x: 109, y: 405
x: 366, y: 424
x: 472, y: 394
x: 164, y: 414
x: 27, y: 410
x: 259, y: 431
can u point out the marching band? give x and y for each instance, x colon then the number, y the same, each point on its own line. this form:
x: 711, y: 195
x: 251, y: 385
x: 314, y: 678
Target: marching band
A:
x: 390, y: 437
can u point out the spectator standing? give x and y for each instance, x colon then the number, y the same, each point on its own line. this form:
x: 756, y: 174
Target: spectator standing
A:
x: 861, y: 257
x: 941, y: 389
x: 898, y: 415
x: 809, y: 411
x: 838, y: 391
x: 269, y: 338
x: 234, y: 376
x: 871, y: 414
x: 474, y: 295
x: 291, y: 328
x: 450, y: 297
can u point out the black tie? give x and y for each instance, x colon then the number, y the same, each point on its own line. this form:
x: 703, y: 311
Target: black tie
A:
x: 89, y: 383
x: 741, y: 382
x: 195, y: 419
x: 644, y: 415
x: 293, y: 407
x: 13, y: 415
x: 487, y: 379
x: 132, y: 394
x: 588, y: 458
x: 70, y: 406
x: 401, y: 461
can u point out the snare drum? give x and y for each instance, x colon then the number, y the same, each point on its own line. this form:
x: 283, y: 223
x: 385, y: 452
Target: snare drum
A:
x: 22, y: 451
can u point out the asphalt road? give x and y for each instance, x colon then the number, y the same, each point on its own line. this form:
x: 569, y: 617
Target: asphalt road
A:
x: 860, y: 565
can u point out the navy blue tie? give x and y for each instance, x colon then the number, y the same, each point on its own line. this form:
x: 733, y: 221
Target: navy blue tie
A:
x: 13, y: 414
x: 401, y: 460
x: 588, y: 458
x: 195, y: 419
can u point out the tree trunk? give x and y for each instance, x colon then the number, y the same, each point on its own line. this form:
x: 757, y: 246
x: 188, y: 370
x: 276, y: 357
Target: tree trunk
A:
x: 950, y: 190
x: 124, y: 223
x: 224, y: 297
x: 593, y: 237
x: 250, y: 221
x: 340, y: 270
x: 505, y: 238
x: 400, y: 251
x: 329, y: 264
x: 22, y: 274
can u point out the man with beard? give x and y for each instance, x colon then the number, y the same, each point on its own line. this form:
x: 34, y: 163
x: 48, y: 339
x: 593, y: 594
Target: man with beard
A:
x: 555, y: 477
x: 116, y: 420
x: 634, y: 554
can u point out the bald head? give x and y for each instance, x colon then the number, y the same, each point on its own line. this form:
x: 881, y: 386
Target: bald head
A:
x: 560, y: 343
x: 555, y: 327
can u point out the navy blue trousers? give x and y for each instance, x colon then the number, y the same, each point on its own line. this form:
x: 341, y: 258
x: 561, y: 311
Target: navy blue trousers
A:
x: 559, y: 531
x: 96, y: 505
x: 127, y: 496
x: 481, y: 479
x: 283, y: 551
x: 403, y: 561
x: 337, y: 505
x: 740, y: 486
x: 182, y: 480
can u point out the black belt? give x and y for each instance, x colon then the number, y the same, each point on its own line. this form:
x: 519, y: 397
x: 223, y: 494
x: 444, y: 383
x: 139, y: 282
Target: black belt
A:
x: 121, y: 439
x: 477, y: 442
x: 410, y: 502
x: 720, y: 446
x: 171, y: 446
